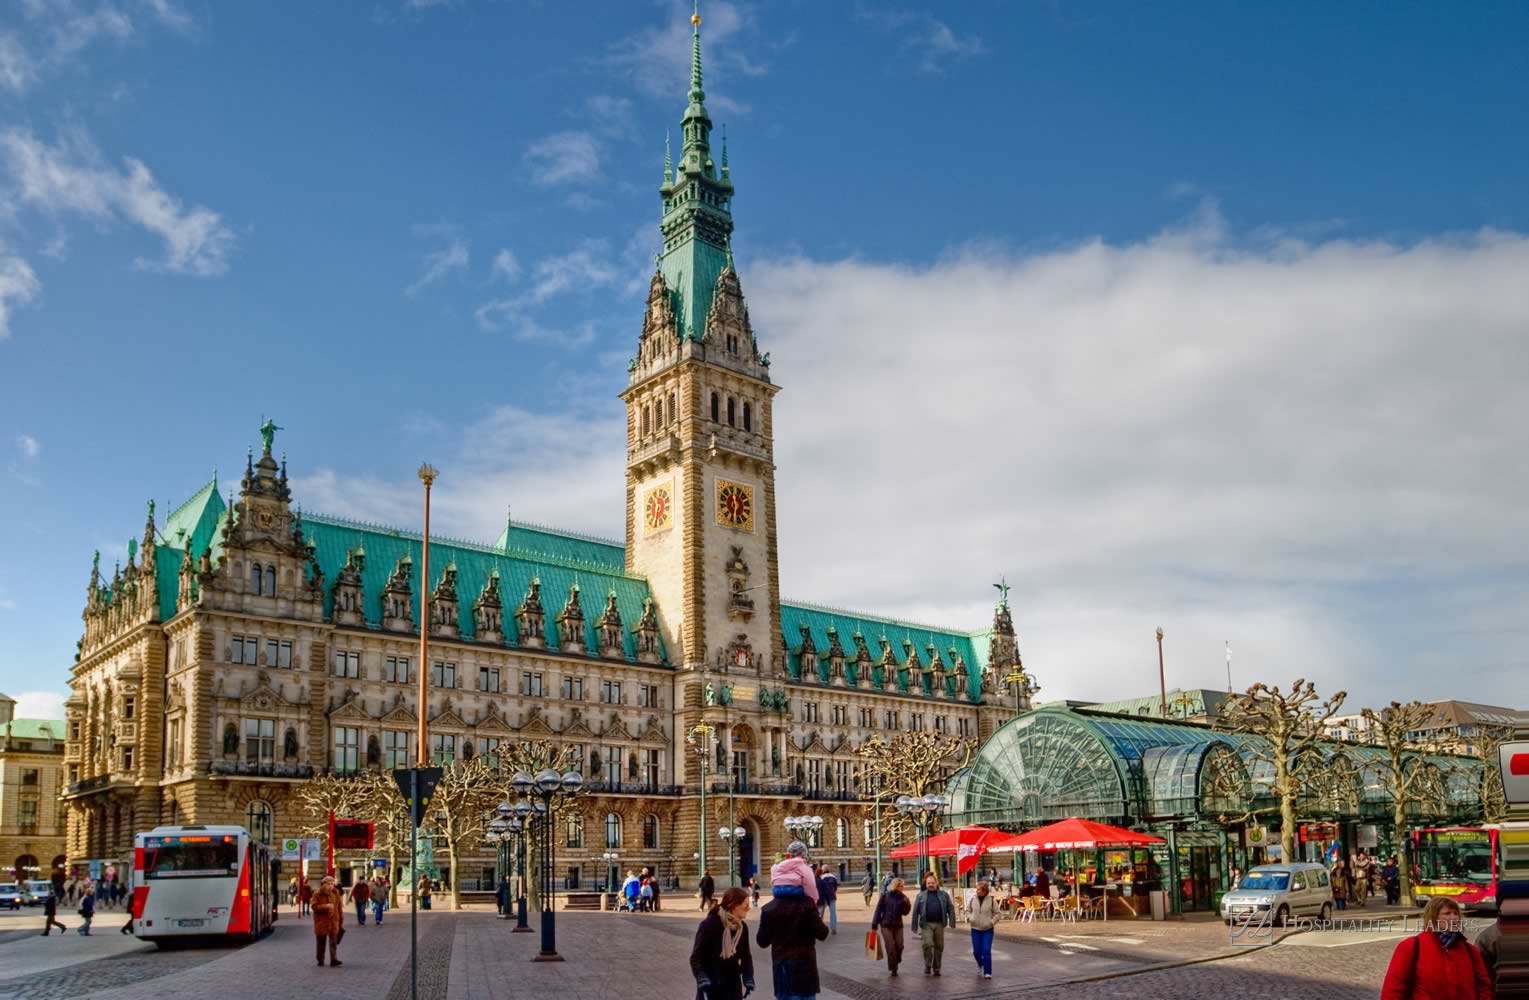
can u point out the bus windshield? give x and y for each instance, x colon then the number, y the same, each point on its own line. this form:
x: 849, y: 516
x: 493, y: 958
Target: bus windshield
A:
x: 216, y: 857
x: 1456, y: 856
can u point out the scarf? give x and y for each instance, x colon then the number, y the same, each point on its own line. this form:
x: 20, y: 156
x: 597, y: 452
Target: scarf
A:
x: 732, y: 930
x: 1447, y: 938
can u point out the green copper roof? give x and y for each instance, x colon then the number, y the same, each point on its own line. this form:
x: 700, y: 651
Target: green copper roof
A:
x: 35, y: 729
x: 167, y: 568
x: 534, y: 541
x: 335, y: 538
x: 818, y: 619
x: 196, y: 519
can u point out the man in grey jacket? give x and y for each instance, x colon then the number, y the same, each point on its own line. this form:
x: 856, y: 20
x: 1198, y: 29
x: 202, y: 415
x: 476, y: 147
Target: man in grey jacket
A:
x: 933, y: 911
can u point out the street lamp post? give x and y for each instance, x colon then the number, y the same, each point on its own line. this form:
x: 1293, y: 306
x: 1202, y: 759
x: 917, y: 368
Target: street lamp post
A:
x: 921, y: 810
x: 499, y: 835
x: 610, y: 858
x: 805, y: 828
x: 519, y: 828
x: 1017, y: 678
x: 731, y: 835
x: 547, y: 787
x: 700, y: 738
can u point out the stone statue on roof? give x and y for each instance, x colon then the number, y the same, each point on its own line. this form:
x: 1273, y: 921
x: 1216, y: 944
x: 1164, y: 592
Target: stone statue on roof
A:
x: 268, y: 434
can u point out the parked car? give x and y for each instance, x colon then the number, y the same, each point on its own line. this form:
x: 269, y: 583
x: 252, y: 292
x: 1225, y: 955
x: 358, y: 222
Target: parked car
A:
x: 1299, y: 889
x: 38, y: 889
x: 13, y: 895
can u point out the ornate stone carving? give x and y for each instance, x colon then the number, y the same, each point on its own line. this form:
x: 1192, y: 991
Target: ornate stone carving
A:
x: 398, y: 598
x: 807, y: 657
x: 570, y: 623
x: 443, y: 604
x: 740, y: 606
x: 531, y: 617
x: 608, y: 626
x: 936, y: 671
x: 488, y: 611
x: 835, y: 658
x: 347, y: 591
x: 647, y: 633
x: 888, y: 664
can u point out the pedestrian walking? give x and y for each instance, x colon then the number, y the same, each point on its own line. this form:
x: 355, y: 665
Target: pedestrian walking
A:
x: 887, y: 919
x: 87, y: 912
x: 1437, y: 963
x: 379, y: 900
x: 424, y: 892
x: 790, y: 927
x: 708, y: 889
x: 361, y: 895
x: 631, y: 891
x: 304, y: 898
x: 1340, y: 884
x: 868, y: 884
x: 50, y: 913
x: 828, y: 898
x: 721, y: 961
x: 981, y: 915
x: 328, y: 920
x: 1360, y: 869
x: 657, y: 893
x: 754, y: 888
x: 1391, y: 877
x: 933, y: 911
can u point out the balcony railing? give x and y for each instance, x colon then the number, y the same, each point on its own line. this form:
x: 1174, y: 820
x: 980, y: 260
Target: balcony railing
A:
x: 88, y: 785
x: 630, y: 788
x: 259, y: 769
x: 829, y: 795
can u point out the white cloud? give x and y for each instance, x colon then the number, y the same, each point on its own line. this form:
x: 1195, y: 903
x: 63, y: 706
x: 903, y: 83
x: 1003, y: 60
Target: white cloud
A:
x: 1257, y: 443
x: 40, y: 705
x: 170, y: 15
x: 30, y: 447
x: 506, y: 265
x: 581, y: 270
x: 569, y: 157
x: 68, y: 178
x: 18, y: 286
x: 928, y: 39
x: 73, y: 30
x: 17, y: 70
x: 439, y: 263
x: 6, y: 604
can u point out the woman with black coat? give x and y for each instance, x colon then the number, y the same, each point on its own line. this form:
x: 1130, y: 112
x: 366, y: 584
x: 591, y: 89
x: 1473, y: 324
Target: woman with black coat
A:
x: 721, y: 960
x: 888, y: 920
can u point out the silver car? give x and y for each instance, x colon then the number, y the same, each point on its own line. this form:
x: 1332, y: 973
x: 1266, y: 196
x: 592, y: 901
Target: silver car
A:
x: 13, y: 895
x: 1299, y: 889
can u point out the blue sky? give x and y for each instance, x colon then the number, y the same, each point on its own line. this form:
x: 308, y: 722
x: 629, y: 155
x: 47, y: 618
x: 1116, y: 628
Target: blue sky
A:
x: 1217, y: 305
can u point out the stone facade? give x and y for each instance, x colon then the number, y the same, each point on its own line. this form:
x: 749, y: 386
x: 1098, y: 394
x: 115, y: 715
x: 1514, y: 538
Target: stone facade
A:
x: 261, y: 647
x: 31, y: 778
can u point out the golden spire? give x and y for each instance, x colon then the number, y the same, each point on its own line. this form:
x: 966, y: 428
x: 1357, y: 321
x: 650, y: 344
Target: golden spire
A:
x: 695, y: 19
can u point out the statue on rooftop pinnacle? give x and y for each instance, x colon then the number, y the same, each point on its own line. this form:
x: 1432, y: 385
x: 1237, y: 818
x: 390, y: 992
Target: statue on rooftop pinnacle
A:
x: 268, y: 434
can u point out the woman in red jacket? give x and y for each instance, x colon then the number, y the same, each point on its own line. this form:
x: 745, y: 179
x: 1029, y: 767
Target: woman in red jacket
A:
x: 1437, y: 963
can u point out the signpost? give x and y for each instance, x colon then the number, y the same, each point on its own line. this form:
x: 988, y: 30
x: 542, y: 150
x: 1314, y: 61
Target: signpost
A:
x: 417, y: 785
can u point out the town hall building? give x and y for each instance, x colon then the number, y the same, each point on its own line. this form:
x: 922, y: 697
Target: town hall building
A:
x: 244, y: 647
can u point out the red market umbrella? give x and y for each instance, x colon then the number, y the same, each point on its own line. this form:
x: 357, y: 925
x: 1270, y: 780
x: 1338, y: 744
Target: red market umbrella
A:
x: 1074, y: 834
x: 948, y: 843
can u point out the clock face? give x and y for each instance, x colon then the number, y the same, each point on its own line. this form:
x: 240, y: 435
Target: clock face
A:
x: 658, y: 507
x: 735, y: 505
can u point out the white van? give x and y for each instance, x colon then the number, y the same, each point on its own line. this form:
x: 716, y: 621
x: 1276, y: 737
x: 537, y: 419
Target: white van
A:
x: 1300, y: 889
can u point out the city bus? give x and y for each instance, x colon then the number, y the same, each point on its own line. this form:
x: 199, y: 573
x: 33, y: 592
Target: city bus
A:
x: 1456, y: 861
x: 202, y: 882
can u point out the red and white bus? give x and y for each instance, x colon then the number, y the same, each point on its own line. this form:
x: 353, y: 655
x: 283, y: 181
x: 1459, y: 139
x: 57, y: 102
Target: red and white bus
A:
x: 202, y: 881
x: 1459, y: 862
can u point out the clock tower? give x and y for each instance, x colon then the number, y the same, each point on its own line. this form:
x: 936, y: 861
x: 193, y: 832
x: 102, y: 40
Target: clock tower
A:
x: 700, y: 485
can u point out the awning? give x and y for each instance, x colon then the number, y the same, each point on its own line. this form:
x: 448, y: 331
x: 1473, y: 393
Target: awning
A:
x: 1070, y: 835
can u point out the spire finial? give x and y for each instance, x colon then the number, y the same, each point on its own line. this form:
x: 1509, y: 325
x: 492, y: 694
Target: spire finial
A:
x: 668, y: 160
x: 724, y: 149
x: 697, y: 95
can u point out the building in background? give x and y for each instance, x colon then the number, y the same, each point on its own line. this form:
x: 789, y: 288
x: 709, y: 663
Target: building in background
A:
x: 1191, y: 705
x: 245, y: 647
x: 31, y: 780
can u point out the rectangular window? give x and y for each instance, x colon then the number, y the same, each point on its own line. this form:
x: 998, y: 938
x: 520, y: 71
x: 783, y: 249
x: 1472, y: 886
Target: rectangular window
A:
x: 841, y: 776
x: 889, y: 719
x: 612, y: 770
x: 841, y: 715
x: 278, y: 653
x: 964, y: 726
x: 173, y: 751
x: 574, y: 831
x: 129, y: 706
x: 259, y: 740
x: 916, y: 722
x: 244, y: 649
x: 610, y: 692
x: 941, y: 724
x: 487, y: 745
x: 396, y: 669
x: 347, y: 663
x: 27, y: 814
x: 443, y: 748
x: 740, y: 769
x: 867, y: 718
x: 74, y: 731
x: 647, y: 696
x: 573, y: 688
x: 652, y: 762
x: 531, y: 684
x: 444, y: 674
x: 395, y: 749
x: 580, y: 762
x: 31, y: 777
x: 488, y: 679
x: 814, y: 776
x: 810, y: 712
x: 347, y: 749
x: 127, y: 758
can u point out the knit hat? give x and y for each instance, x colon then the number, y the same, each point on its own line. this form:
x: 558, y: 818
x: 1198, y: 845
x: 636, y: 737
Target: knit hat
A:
x: 796, y: 849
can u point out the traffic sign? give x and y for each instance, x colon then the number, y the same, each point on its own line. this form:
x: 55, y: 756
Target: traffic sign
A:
x: 420, y: 781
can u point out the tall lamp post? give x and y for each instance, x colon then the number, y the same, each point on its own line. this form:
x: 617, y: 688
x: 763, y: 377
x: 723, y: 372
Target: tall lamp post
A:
x: 699, y: 737
x: 805, y: 828
x: 1162, y: 676
x: 547, y: 787
x: 610, y: 858
x: 499, y: 835
x: 520, y: 829
x: 922, y: 810
x: 731, y: 835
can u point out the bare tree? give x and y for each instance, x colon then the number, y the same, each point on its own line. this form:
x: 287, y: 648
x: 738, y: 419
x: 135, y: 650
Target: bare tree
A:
x: 1289, y: 724
x: 1406, y: 773
x: 915, y: 764
x: 532, y: 757
x: 386, y: 807
x: 459, y: 811
x: 1494, y: 802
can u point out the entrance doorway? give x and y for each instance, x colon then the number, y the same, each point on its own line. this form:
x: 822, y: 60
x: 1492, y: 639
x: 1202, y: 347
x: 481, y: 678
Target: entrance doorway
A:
x: 748, y: 852
x: 1196, y: 869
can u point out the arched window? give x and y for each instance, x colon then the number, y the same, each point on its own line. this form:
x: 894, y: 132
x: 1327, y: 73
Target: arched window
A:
x: 748, y: 417
x: 270, y: 581
x: 260, y: 820
x: 731, y: 421
x: 574, y: 832
x: 255, y: 578
x: 612, y: 830
x: 650, y: 832
x: 714, y: 416
x: 841, y: 832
